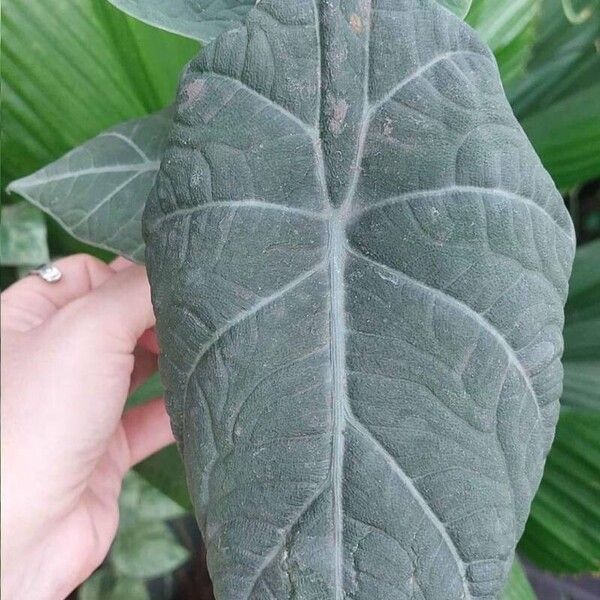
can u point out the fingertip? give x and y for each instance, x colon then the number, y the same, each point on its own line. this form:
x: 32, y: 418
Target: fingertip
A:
x: 122, y: 307
x: 120, y: 263
x: 147, y: 429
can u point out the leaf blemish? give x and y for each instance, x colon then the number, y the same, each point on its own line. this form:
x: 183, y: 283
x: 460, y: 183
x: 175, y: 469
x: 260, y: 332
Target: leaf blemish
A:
x: 356, y: 23
x: 192, y: 92
x: 338, y: 116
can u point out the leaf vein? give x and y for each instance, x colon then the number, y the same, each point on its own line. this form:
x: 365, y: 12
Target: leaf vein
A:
x: 463, y: 307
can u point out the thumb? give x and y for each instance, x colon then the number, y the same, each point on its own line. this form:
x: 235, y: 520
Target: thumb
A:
x: 115, y: 314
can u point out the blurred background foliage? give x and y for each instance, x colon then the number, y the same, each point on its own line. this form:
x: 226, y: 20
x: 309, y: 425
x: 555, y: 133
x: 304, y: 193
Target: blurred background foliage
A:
x: 72, y: 68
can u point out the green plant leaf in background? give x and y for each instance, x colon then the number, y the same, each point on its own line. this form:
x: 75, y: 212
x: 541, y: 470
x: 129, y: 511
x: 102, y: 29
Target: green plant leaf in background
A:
x: 582, y: 331
x: 98, y: 191
x: 71, y: 69
x: 518, y: 587
x: 165, y: 472
x: 105, y: 584
x: 566, y: 135
x: 459, y: 7
x: 144, y: 547
x: 563, y: 531
x: 565, y: 57
x: 141, y: 501
x: 557, y: 99
x: 147, y: 550
x: 508, y: 28
x: 23, y: 240
x: 198, y: 19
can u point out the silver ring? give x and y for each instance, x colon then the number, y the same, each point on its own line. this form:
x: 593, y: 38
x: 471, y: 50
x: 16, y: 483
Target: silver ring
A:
x: 48, y: 272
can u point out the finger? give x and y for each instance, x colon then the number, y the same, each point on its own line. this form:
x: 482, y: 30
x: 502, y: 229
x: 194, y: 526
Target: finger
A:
x: 149, y: 341
x: 31, y: 301
x: 117, y: 312
x: 121, y: 263
x: 147, y: 430
x: 145, y: 365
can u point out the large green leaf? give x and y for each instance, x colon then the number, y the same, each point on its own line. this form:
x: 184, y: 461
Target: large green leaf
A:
x: 359, y: 267
x: 563, y: 531
x: 198, y: 19
x: 582, y: 331
x: 566, y: 135
x: 119, y: 193
x: 508, y: 28
x: 565, y: 57
x: 72, y: 68
x: 98, y: 191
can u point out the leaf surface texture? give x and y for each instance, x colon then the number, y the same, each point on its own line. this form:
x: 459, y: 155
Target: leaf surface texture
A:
x: 359, y: 267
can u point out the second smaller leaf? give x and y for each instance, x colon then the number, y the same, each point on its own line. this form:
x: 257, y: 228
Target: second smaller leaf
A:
x: 98, y: 191
x: 198, y: 19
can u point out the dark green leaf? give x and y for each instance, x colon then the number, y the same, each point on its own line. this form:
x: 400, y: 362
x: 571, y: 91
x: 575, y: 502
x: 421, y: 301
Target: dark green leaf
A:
x: 98, y: 191
x: 359, y: 267
x: 583, y: 302
x: 165, y: 472
x: 582, y: 383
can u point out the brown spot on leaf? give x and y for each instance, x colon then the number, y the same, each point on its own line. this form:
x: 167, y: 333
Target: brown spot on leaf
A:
x: 338, y: 116
x: 356, y: 23
x: 191, y: 92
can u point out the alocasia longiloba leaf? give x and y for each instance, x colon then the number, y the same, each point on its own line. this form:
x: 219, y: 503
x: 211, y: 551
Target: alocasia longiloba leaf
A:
x: 359, y: 267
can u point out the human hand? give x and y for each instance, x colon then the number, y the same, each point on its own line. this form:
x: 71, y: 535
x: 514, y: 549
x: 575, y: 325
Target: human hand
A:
x: 71, y: 353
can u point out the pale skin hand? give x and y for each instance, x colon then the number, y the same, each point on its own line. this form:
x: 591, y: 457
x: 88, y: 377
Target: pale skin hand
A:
x: 71, y: 353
